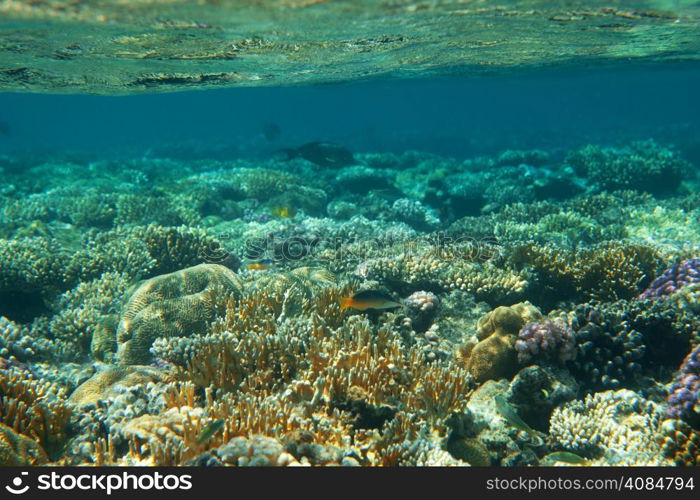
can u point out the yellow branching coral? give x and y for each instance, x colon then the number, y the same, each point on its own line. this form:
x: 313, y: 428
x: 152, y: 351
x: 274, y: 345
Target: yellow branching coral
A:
x: 16, y: 449
x: 33, y: 407
x: 319, y: 379
x: 607, y: 271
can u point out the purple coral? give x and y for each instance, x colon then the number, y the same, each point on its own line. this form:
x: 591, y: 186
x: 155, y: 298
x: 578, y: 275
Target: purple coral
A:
x: 684, y: 398
x: 673, y: 278
x: 546, y: 339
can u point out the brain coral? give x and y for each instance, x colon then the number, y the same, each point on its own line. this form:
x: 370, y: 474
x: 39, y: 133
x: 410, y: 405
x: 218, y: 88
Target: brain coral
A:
x: 172, y: 305
x: 494, y: 356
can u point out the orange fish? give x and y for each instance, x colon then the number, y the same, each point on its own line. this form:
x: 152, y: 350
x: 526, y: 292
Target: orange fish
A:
x: 369, y: 299
x: 261, y: 265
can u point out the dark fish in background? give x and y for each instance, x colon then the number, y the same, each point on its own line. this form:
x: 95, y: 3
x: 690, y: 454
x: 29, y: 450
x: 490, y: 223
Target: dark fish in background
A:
x: 323, y: 154
x: 271, y: 131
x: 5, y: 129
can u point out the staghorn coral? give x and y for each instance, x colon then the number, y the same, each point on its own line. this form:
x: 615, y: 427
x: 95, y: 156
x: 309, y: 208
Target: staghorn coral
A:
x: 495, y: 356
x: 34, y: 407
x: 329, y: 375
x: 181, y: 303
x: 613, y: 426
x: 17, y: 449
x: 546, y: 340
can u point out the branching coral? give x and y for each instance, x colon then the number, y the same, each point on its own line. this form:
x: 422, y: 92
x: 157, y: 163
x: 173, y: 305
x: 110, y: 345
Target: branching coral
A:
x: 620, y: 427
x: 607, y: 271
x: 642, y: 165
x: 620, y: 342
x: 34, y: 407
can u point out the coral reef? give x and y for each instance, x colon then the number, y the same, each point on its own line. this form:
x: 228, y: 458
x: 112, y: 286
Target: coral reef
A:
x: 188, y: 312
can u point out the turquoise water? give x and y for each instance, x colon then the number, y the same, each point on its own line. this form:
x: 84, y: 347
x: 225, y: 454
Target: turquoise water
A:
x: 494, y: 269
